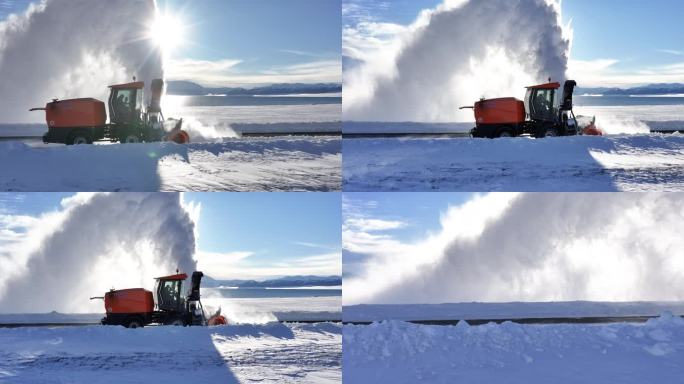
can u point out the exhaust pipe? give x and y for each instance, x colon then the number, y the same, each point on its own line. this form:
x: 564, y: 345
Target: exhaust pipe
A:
x: 157, y: 87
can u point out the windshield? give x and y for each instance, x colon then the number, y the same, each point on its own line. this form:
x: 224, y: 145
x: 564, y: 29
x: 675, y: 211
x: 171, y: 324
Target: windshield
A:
x: 539, y: 104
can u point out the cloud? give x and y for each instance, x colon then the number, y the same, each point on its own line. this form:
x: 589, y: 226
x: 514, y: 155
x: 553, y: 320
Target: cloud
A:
x: 372, y: 225
x: 315, y: 245
x: 228, y: 72
x: 608, y: 73
x: 363, y: 10
x: 317, y: 264
x: 672, y: 52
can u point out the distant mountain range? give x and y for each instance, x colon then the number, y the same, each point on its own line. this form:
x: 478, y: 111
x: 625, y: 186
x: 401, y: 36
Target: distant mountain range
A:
x: 283, y: 282
x: 188, y: 88
x: 651, y: 89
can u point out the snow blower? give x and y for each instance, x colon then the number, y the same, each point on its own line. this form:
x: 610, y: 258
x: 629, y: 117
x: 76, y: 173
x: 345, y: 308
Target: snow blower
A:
x: 84, y: 120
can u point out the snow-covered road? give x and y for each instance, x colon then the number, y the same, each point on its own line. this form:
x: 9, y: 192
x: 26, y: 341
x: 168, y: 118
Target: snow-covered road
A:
x: 399, y: 352
x: 647, y: 162
x: 270, y: 353
x: 246, y: 164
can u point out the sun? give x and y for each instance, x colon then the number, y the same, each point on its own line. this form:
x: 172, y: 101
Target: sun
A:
x: 168, y: 32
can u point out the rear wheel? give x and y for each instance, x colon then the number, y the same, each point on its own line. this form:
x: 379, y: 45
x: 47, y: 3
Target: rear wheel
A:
x: 79, y: 137
x: 504, y: 132
x: 134, y: 323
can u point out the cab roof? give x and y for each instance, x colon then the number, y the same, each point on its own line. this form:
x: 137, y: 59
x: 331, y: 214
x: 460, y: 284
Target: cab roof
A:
x: 178, y: 276
x: 135, y: 85
x: 555, y: 85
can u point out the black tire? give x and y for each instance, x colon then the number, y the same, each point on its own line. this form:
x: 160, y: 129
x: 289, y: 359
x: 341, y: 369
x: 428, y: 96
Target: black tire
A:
x: 549, y: 131
x: 134, y: 322
x: 504, y: 132
x: 129, y: 139
x: 177, y: 322
x: 79, y: 137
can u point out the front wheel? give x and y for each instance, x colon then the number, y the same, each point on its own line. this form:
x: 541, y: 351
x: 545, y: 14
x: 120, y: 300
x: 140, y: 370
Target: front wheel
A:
x: 551, y: 132
x: 176, y: 322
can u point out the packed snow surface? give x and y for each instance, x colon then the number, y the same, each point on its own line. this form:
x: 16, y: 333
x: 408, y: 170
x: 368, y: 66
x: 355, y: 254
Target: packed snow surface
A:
x: 269, y: 353
x: 245, y: 164
x: 398, y: 352
x: 517, y: 310
x: 610, y: 163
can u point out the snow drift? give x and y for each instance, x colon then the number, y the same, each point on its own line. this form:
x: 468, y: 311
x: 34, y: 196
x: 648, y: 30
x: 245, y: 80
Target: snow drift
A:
x: 398, y: 352
x: 74, y: 48
x: 531, y: 247
x: 92, y: 243
x: 455, y: 54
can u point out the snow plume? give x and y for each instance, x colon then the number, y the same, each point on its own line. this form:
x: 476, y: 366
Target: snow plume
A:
x: 530, y: 247
x: 212, y: 132
x: 453, y: 55
x: 93, y: 243
x: 74, y: 48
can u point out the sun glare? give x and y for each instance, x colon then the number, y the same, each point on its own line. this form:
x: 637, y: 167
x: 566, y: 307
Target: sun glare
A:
x: 168, y: 31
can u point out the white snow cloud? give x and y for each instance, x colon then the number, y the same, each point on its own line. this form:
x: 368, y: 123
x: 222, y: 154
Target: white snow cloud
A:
x: 531, y: 247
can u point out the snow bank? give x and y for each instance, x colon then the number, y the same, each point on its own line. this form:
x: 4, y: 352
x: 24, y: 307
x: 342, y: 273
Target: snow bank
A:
x: 398, y: 352
x: 612, y: 163
x: 226, y: 354
x: 255, y: 164
x: 516, y: 310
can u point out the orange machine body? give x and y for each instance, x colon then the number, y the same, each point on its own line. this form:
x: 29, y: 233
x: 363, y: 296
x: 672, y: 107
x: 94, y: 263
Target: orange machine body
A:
x: 70, y: 113
x: 508, y: 110
x: 134, y: 300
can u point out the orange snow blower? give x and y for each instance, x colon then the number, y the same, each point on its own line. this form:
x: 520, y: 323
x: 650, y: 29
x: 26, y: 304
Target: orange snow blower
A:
x: 543, y: 113
x: 83, y: 121
x: 137, y: 307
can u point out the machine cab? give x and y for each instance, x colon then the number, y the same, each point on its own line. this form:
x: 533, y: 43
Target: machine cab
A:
x: 547, y: 102
x: 169, y: 292
x: 540, y: 102
x: 126, y: 102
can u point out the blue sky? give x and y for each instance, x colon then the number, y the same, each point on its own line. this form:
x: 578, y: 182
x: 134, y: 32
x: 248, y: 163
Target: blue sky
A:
x: 616, y: 42
x: 243, y: 235
x: 384, y: 220
x: 248, y: 42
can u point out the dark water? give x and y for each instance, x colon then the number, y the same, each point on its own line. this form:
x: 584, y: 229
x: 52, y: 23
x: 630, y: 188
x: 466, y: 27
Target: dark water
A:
x: 587, y: 101
x: 217, y: 101
x: 250, y: 293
